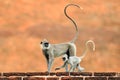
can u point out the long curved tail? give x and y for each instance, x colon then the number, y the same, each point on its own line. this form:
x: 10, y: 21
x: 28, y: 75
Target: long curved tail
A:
x: 74, y: 39
x: 86, y: 48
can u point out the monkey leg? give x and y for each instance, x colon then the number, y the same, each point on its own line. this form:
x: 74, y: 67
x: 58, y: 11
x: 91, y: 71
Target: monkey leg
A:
x: 72, y: 50
x: 47, y: 58
x: 71, y: 68
x: 74, y: 69
x: 80, y: 68
x: 66, y: 67
x: 50, y: 64
x: 47, y: 63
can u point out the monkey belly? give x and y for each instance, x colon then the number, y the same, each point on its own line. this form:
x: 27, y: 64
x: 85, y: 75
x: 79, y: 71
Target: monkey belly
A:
x: 61, y: 49
x: 60, y: 53
x: 75, y: 60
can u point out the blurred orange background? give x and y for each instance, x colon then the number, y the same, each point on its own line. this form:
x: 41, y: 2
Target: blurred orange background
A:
x: 25, y: 23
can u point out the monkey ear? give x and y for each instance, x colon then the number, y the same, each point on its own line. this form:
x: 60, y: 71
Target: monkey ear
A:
x: 41, y: 42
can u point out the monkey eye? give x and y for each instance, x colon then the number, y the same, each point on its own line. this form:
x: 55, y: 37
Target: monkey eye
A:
x: 41, y: 42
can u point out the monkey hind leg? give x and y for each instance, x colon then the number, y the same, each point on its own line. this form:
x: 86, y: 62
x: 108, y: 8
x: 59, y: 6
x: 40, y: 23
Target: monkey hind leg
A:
x: 80, y: 69
x: 73, y: 69
x: 72, y: 50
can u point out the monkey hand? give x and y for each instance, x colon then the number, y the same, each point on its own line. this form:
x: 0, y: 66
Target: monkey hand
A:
x: 57, y: 69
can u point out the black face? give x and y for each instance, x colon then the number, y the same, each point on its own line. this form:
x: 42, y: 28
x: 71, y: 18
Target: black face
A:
x: 64, y: 58
x: 46, y: 44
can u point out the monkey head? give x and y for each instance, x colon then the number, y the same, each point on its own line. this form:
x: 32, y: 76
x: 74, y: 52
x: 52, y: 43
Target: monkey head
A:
x: 65, y: 58
x: 45, y: 44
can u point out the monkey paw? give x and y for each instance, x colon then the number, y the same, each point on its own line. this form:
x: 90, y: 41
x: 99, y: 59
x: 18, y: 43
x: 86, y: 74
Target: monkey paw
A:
x: 57, y: 69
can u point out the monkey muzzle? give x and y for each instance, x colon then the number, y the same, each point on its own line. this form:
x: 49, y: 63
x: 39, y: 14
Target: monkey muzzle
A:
x: 46, y: 44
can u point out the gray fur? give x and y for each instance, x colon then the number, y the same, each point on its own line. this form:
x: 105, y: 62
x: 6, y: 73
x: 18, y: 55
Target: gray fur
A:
x: 56, y: 50
x: 74, y: 61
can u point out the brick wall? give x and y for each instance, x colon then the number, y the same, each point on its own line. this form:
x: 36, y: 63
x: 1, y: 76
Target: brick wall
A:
x: 60, y: 76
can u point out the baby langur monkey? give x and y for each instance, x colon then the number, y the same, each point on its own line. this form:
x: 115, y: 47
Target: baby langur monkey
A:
x: 51, y: 51
x: 74, y: 61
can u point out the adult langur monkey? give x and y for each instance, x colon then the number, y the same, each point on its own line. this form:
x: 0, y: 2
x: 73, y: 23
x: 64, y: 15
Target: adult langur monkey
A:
x: 52, y: 51
x: 74, y: 61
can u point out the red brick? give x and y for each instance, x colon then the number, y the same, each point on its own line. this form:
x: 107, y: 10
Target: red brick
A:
x: 65, y: 78
x: 34, y: 78
x: 53, y: 78
x: 10, y: 78
x: 37, y: 73
x: 114, y: 78
x: 80, y: 73
x: 62, y: 74
x: 76, y: 78
x: 52, y: 73
x: 14, y: 74
x: 72, y: 78
x: 105, y: 74
x: 95, y: 78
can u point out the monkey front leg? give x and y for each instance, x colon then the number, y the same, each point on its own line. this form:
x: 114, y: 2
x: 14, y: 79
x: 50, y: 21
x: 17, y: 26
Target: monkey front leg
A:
x: 66, y: 67
x: 71, y: 68
x: 50, y: 64
x: 47, y: 58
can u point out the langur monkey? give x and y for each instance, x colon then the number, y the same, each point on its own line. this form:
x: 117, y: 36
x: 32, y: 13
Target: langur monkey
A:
x: 51, y: 51
x: 74, y: 61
